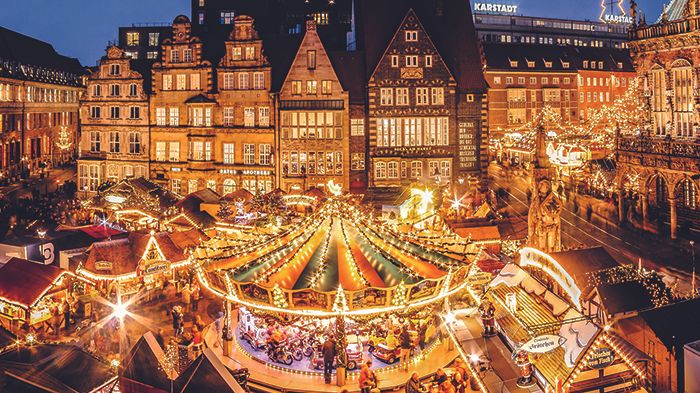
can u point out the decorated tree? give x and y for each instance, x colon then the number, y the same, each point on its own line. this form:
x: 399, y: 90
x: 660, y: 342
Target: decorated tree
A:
x: 400, y: 297
x: 340, y: 306
x: 279, y: 298
x: 225, y: 211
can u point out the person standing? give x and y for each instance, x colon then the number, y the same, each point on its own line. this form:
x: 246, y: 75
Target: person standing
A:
x: 405, y: 342
x: 329, y: 353
x: 196, y: 293
x: 414, y: 385
x: 368, y: 380
x: 66, y: 315
x: 186, y: 296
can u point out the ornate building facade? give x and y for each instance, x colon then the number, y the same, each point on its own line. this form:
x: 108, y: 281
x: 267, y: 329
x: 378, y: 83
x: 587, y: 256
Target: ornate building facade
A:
x: 114, y: 138
x: 39, y: 94
x: 661, y: 165
x: 314, y: 125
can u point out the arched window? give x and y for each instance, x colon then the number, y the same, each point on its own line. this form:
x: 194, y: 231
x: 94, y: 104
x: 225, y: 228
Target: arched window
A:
x: 229, y: 186
x: 658, y: 99
x: 689, y: 193
x: 683, y: 82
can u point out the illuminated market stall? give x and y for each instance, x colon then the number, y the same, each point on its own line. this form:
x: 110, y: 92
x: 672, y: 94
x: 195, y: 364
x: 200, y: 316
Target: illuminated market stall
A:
x: 536, y: 308
x: 336, y: 272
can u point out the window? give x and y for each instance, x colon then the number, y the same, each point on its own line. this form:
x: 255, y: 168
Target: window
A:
x: 386, y: 96
x: 200, y: 151
x: 416, y: 169
x: 321, y: 18
x: 394, y: 61
x: 174, y: 117
x: 380, y: 170
x: 228, y: 116
x: 176, y: 186
x: 95, y: 141
x: 114, y: 69
x: 161, y: 151
x: 264, y: 116
x: 151, y: 54
x: 174, y: 55
x: 161, y: 119
x: 533, y: 80
x: 311, y: 87
x: 249, y: 154
x: 133, y: 90
x: 438, y: 95
x: 422, y: 96
x: 402, y: 96
x: 132, y: 38
x: 114, y: 90
x: 200, y: 17
x: 229, y: 186
x: 226, y: 17
x: 357, y: 161
x: 114, y: 142
x: 357, y: 127
x: 95, y: 112
x: 114, y: 112
x: 496, y: 80
x: 509, y: 80
x: 411, y: 61
x: 228, y: 81
x: 428, y: 60
x: 181, y: 82
x: 265, y: 154
x: 521, y: 80
x: 250, y: 53
x: 167, y: 82
x: 194, y: 82
x: 229, y: 153
x: 197, y: 117
x: 411, y: 35
x: 567, y: 81
x: 237, y: 53
x: 187, y: 55
x: 96, y: 90
x: 134, y: 143
x: 132, y: 54
x: 94, y: 177
x: 134, y: 112
x: 258, y: 81
x: 326, y: 87
x: 174, y: 151
x: 311, y: 59
x: 296, y: 87
x: 445, y: 169
x: 393, y: 170
x: 192, y: 185
x: 153, y: 39
x: 243, y: 81
x: 544, y: 80
x: 249, y: 117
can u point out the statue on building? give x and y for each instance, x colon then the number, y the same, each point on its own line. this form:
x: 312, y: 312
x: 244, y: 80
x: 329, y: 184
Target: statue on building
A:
x: 544, y: 216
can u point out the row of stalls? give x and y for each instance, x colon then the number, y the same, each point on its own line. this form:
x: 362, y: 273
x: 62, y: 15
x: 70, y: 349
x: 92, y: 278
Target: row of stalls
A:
x: 544, y: 317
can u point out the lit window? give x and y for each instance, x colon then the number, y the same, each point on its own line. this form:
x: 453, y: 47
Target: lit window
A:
x: 161, y: 118
x: 428, y: 60
x: 321, y: 18
x: 167, y: 82
x: 194, y: 82
x: 153, y: 39
x: 200, y: 18
x: 174, y: 56
x: 249, y: 154
x: 229, y: 186
x: 422, y: 96
x: 411, y: 35
x: 228, y: 81
x: 412, y: 61
x: 357, y: 161
x: 380, y: 170
x: 250, y: 53
x: 229, y: 153
x: 296, y: 87
x: 311, y: 87
x: 393, y: 170
x: 236, y: 53
x: 228, y: 116
x: 386, y: 96
x: 357, y: 127
x: 402, y: 96
x: 226, y: 17
x: 258, y: 81
x: 174, y: 151
x: 161, y: 151
x: 249, y: 117
x: 394, y: 61
x: 132, y: 38
x: 187, y: 55
x: 326, y: 87
x: 311, y: 59
x: 243, y: 81
x: 152, y: 55
x: 438, y: 95
x: 175, y: 117
x: 264, y: 116
x: 265, y: 153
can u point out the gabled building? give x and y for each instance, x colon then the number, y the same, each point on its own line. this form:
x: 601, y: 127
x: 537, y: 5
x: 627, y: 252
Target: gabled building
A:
x: 115, y: 132
x: 313, y: 127
x: 244, y: 118
x: 412, y: 112
x: 182, y: 112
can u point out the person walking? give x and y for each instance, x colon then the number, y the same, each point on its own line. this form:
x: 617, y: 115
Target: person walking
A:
x: 329, y: 353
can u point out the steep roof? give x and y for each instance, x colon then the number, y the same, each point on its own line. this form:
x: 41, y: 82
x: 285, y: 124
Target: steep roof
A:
x: 206, y: 374
x: 24, y: 282
x: 449, y: 24
x: 676, y: 324
x: 674, y: 10
x: 579, y: 263
x: 144, y: 364
x: 625, y: 297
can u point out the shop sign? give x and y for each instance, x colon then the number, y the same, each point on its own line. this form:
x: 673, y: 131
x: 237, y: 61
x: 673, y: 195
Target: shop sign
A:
x: 42, y: 253
x: 479, y: 277
x: 601, y: 358
x: 103, y: 265
x: 496, y: 8
x: 39, y: 315
x: 543, y: 344
x: 156, y: 267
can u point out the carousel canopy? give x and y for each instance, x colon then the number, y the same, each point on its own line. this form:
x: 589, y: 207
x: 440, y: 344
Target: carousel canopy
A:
x: 338, y: 246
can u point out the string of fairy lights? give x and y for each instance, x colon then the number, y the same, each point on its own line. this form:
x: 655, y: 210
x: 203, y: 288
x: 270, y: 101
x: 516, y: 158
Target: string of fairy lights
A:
x: 355, y: 272
x: 314, y: 281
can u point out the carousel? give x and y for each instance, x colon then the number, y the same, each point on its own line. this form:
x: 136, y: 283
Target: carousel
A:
x: 337, y: 274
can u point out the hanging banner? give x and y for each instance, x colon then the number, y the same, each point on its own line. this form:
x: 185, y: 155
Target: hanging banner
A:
x: 543, y: 344
x: 601, y: 358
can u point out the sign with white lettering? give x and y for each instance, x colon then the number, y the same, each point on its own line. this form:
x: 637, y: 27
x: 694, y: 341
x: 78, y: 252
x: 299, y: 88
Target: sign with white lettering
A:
x: 103, y: 265
x: 467, y: 146
x: 543, y: 344
x: 495, y: 8
x: 601, y: 358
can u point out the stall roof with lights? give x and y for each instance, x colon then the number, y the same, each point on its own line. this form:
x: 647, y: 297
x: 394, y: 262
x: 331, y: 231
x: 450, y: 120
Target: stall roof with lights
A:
x: 338, y: 246
x: 23, y: 282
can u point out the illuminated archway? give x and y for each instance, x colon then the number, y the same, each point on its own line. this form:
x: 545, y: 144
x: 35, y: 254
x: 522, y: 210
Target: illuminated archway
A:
x: 542, y: 261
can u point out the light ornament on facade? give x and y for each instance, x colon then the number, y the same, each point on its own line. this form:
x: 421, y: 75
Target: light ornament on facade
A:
x: 64, y: 141
x: 533, y: 257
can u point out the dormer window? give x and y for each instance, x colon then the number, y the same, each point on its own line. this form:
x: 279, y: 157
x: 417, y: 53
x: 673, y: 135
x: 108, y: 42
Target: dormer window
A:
x: 236, y: 53
x: 593, y: 65
x: 600, y: 65
x: 619, y: 65
x: 187, y: 55
x: 411, y: 36
x: 174, y: 56
x: 250, y: 53
x: 530, y: 64
x: 513, y: 63
x: 585, y: 64
x: 565, y: 64
x: 114, y: 69
x: 548, y: 64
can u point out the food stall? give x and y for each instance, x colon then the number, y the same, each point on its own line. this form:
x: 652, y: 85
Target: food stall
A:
x: 33, y: 296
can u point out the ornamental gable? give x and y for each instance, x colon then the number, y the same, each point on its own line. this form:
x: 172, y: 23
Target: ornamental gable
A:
x: 411, y: 58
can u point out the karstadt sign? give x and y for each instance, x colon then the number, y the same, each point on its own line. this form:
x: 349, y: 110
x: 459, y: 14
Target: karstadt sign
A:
x: 495, y: 8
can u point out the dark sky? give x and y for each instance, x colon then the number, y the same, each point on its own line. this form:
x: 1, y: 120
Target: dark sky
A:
x: 82, y: 28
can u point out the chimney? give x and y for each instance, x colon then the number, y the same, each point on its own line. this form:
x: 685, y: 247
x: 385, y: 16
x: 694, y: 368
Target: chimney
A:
x: 310, y: 24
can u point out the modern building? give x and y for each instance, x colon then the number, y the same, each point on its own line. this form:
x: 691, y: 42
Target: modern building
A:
x: 519, y: 29
x: 39, y: 93
x: 572, y: 81
x: 314, y: 124
x: 115, y: 132
x: 658, y: 167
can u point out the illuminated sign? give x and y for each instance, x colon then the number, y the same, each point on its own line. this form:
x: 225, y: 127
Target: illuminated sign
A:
x: 533, y: 257
x: 608, y: 13
x: 601, y: 358
x: 543, y: 344
x: 103, y: 265
x: 496, y: 8
x: 467, y: 146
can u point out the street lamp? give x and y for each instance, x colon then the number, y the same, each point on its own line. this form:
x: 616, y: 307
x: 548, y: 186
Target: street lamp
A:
x: 692, y: 251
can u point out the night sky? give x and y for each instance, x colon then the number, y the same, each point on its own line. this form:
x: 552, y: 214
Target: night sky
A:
x: 82, y: 28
